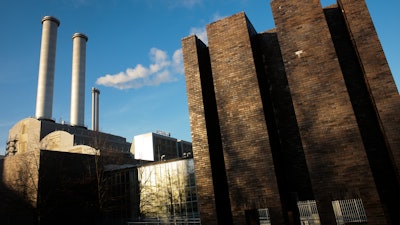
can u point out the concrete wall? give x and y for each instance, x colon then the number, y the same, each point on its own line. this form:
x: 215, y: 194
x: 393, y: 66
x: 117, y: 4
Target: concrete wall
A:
x: 21, y: 175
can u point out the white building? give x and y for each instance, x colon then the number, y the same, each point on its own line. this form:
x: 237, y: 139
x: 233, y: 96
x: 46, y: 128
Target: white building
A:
x: 159, y: 146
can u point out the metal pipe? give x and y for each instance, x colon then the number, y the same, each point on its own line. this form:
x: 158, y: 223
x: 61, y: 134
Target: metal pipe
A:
x: 77, y: 113
x: 95, y: 109
x: 45, y: 89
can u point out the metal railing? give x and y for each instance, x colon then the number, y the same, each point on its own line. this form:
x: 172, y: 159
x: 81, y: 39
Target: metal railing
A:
x: 308, y: 212
x: 349, y: 211
x: 167, y: 221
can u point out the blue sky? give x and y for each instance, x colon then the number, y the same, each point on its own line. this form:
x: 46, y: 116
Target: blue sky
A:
x: 133, y: 56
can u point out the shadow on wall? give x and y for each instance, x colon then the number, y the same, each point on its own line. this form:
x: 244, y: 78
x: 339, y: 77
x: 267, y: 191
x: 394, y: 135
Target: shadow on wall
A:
x: 14, y: 209
x: 66, y: 188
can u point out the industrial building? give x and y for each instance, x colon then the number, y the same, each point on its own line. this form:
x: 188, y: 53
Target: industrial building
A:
x: 65, y: 173
x: 167, y: 193
x: 298, y: 124
x: 42, y: 132
x: 49, y: 166
x: 159, y: 146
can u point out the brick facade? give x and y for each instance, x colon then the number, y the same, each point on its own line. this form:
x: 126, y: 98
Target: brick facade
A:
x: 305, y: 111
x: 248, y: 159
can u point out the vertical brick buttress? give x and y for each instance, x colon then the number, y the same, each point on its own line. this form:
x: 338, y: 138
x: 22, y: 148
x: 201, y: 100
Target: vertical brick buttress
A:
x: 378, y: 77
x: 246, y: 146
x: 327, y: 132
x: 337, y: 162
x: 211, y: 181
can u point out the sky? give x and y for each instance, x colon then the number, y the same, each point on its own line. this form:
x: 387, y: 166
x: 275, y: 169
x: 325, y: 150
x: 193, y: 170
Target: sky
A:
x: 133, y: 56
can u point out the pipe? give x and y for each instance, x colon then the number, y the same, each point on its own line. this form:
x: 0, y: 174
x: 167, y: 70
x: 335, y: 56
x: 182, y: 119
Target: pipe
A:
x: 77, y: 112
x: 95, y: 109
x: 45, y: 89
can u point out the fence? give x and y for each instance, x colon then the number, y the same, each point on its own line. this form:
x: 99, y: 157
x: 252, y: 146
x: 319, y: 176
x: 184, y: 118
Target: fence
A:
x: 167, y: 221
x: 349, y: 211
x: 308, y: 212
x: 263, y: 217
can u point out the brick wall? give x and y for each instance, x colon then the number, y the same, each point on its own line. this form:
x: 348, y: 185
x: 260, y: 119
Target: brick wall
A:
x: 246, y: 146
x: 376, y: 72
x: 329, y: 132
x: 301, y: 112
x: 363, y: 105
x: 289, y: 159
x: 211, y: 181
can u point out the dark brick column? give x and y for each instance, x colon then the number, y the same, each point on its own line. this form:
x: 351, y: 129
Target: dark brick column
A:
x: 376, y: 147
x: 377, y: 74
x: 206, y: 138
x: 248, y: 159
x: 290, y: 164
x: 332, y: 143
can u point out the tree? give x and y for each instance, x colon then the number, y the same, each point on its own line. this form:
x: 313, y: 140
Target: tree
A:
x: 111, y: 164
x: 163, y: 190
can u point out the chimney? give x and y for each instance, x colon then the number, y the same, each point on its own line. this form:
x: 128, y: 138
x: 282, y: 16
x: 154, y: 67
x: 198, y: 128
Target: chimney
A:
x: 44, y: 98
x: 95, y: 109
x: 78, y: 80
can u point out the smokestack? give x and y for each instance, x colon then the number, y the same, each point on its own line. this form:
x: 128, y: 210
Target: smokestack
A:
x: 44, y: 98
x: 95, y: 109
x: 78, y: 80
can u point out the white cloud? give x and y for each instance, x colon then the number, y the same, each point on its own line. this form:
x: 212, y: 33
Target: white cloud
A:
x: 217, y: 16
x: 191, y: 3
x: 201, y: 33
x: 177, y: 61
x: 184, y: 3
x: 162, y: 70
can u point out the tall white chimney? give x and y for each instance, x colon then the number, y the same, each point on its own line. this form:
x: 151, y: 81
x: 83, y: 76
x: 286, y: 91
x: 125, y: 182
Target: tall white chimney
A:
x: 78, y: 80
x: 44, y: 98
x: 95, y: 109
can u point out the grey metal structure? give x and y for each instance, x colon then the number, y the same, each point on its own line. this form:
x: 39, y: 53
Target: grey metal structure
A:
x: 77, y: 114
x: 44, y: 99
x: 95, y: 109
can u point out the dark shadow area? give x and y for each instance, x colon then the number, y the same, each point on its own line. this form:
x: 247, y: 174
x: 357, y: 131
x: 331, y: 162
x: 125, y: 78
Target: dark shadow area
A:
x: 289, y: 159
x: 367, y: 118
x: 71, y: 189
x: 67, y: 188
x: 14, y: 209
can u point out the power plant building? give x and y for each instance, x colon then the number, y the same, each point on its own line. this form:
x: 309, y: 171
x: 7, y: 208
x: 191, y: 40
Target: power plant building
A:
x: 295, y: 125
x: 65, y: 173
x: 42, y: 132
x: 37, y: 147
